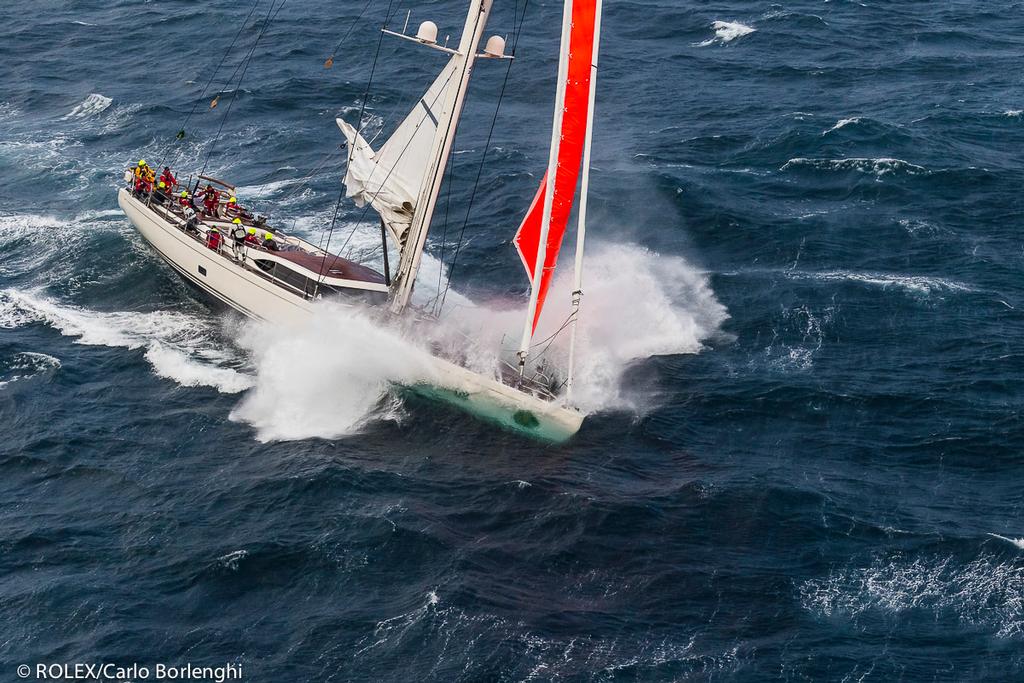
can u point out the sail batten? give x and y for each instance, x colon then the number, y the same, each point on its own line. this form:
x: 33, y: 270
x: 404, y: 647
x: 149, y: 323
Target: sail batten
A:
x: 539, y: 238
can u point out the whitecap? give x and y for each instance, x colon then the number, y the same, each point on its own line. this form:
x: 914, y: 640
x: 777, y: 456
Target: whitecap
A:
x: 842, y: 123
x: 26, y: 365
x: 726, y: 32
x: 879, y: 167
x: 92, y: 105
x: 922, y: 284
x: 231, y: 560
x: 1019, y: 542
x: 179, y: 347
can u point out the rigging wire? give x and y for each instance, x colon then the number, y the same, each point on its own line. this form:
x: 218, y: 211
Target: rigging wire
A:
x: 330, y: 60
x: 483, y: 158
x: 341, y: 187
x: 271, y: 15
x: 202, y: 95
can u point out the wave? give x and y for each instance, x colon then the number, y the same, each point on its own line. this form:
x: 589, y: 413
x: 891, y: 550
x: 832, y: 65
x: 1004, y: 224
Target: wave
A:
x: 1019, y: 542
x: 922, y: 284
x: 91, y: 106
x: 26, y: 365
x: 842, y: 123
x: 879, y: 167
x: 179, y: 347
x: 540, y: 656
x: 986, y: 592
x: 46, y: 240
x: 726, y: 32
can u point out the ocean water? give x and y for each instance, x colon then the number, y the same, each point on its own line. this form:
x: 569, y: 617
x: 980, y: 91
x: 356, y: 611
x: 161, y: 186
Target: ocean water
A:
x: 804, y: 348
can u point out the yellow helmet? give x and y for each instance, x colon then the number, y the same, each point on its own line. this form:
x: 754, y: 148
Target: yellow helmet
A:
x: 237, y: 221
x: 252, y: 231
x: 232, y: 200
x: 142, y: 162
x: 162, y: 184
x: 268, y: 236
x: 184, y: 193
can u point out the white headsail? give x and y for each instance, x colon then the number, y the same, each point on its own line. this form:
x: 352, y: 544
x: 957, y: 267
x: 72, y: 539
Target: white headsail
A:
x: 391, y: 178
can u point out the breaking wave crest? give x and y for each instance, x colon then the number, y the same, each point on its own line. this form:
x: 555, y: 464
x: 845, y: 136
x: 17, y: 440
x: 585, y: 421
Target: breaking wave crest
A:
x: 91, y: 106
x: 878, y: 167
x: 919, y: 284
x: 726, y: 32
x: 26, y: 365
x: 180, y: 347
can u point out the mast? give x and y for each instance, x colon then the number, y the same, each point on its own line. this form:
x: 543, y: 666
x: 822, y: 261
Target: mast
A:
x: 463, y: 59
x: 581, y: 229
x: 549, y: 194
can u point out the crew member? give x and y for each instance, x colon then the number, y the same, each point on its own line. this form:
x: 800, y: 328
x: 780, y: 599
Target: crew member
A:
x: 238, y: 232
x: 268, y: 242
x: 211, y: 199
x: 184, y: 200
x: 143, y: 177
x: 250, y: 237
x: 232, y: 208
x: 191, y: 220
x: 160, y: 196
x: 213, y: 239
x: 168, y: 179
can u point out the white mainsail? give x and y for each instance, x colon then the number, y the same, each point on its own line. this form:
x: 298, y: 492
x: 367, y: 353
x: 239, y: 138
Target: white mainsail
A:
x: 390, y: 178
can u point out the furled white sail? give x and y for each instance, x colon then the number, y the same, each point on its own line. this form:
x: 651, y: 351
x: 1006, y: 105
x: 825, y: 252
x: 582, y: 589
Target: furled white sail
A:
x: 391, y: 178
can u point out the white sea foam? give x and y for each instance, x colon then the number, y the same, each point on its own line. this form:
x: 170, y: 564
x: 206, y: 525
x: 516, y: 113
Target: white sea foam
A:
x: 327, y: 378
x: 985, y: 592
x: 805, y: 335
x: 26, y: 365
x: 180, y: 347
x: 842, y: 123
x: 637, y: 304
x: 1019, y: 542
x: 920, y: 284
x: 726, y: 32
x: 45, y: 238
x: 1014, y: 113
x: 333, y: 376
x: 92, y: 105
x: 879, y: 167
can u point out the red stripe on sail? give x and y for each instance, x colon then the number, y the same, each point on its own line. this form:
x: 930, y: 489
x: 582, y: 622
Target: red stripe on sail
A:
x: 570, y: 156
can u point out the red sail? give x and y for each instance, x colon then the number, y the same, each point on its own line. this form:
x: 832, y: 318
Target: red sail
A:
x: 570, y: 155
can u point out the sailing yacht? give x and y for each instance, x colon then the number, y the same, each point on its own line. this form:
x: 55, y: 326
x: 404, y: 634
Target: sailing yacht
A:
x: 401, y: 180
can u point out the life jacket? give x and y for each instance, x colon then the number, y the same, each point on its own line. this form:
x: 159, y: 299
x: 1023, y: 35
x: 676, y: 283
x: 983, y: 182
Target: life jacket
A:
x: 239, y: 234
x: 213, y: 239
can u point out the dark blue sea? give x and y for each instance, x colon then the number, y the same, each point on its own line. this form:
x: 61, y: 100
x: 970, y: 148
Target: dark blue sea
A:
x: 803, y: 349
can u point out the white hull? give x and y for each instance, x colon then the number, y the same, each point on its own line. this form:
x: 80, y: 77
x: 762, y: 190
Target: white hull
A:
x: 256, y: 297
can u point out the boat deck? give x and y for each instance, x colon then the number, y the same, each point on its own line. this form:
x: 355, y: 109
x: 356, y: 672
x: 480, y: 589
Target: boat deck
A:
x: 317, y: 262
